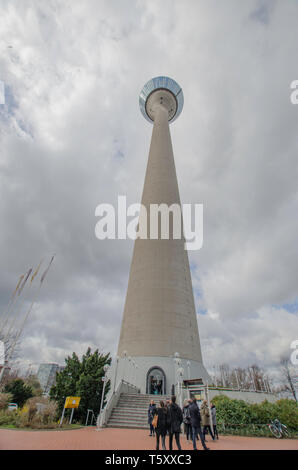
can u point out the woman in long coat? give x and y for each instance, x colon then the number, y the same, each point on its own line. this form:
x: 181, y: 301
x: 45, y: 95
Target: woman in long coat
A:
x: 175, y: 419
x: 151, y: 412
x: 162, y: 425
x: 205, y: 415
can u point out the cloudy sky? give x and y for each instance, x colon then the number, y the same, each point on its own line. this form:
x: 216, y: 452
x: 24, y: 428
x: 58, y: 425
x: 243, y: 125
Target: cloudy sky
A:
x: 72, y: 137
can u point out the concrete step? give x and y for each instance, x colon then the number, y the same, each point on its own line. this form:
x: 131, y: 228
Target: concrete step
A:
x: 129, y: 416
x: 152, y: 395
x: 146, y: 397
x: 132, y: 411
x: 128, y: 404
x: 133, y: 403
x: 136, y: 402
x: 129, y: 412
x: 146, y: 403
x: 132, y: 408
x: 133, y: 419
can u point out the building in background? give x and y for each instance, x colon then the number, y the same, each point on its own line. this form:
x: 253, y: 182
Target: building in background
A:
x: 46, y: 375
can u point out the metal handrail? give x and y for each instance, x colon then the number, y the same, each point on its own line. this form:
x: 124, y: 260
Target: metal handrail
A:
x: 101, y: 416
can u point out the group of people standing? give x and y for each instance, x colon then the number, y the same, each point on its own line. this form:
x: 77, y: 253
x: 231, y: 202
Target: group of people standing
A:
x: 197, y: 421
x: 168, y: 418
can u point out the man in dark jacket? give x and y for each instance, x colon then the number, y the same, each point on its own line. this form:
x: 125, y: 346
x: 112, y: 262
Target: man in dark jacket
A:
x: 195, y: 420
x: 175, y: 418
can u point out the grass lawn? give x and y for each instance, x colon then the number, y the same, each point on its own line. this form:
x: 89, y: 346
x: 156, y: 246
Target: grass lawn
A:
x: 66, y: 427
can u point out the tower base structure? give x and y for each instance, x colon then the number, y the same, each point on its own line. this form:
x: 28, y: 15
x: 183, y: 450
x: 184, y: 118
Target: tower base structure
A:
x: 156, y: 375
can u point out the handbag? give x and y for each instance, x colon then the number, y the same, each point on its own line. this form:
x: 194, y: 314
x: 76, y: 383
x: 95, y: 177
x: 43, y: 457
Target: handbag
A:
x: 155, y: 420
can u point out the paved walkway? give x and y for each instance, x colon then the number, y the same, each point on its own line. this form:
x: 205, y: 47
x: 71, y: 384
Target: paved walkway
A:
x: 119, y: 439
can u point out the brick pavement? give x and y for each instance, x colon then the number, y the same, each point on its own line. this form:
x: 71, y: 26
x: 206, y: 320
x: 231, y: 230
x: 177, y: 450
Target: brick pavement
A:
x: 119, y: 439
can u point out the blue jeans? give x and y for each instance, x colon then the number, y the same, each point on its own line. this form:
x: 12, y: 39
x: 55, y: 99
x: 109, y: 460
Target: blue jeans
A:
x: 197, y: 431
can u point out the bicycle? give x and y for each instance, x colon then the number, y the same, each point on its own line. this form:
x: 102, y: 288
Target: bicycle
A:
x: 278, y: 429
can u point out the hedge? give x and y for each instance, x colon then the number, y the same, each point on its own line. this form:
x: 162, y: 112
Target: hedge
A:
x: 239, y: 414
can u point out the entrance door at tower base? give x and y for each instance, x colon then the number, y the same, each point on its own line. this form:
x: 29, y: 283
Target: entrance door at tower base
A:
x: 196, y: 388
x: 156, y: 381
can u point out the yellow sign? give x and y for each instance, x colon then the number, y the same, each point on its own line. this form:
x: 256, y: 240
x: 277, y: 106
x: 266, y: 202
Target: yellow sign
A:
x: 72, y: 402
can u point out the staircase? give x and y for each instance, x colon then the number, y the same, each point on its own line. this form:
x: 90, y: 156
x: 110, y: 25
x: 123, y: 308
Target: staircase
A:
x: 132, y: 411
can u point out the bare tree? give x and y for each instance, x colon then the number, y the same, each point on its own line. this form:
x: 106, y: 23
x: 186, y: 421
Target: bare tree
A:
x: 288, y: 384
x: 244, y: 381
x: 259, y: 378
x: 248, y: 378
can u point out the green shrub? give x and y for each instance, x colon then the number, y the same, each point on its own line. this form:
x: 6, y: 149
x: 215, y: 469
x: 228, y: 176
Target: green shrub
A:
x: 8, y: 418
x: 19, y: 391
x: 232, y: 411
x: 35, y: 417
x: 287, y: 412
x: 37, y: 421
x: 32, y: 416
x: 237, y: 412
x: 49, y: 413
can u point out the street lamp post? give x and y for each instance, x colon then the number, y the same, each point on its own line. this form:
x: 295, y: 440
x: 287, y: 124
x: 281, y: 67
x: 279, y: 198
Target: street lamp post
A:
x: 136, y: 374
x: 178, y: 362
x: 124, y: 365
x: 180, y: 374
x: 116, y: 370
x: 133, y: 371
x: 104, y: 379
x: 129, y: 370
x: 176, y: 357
x: 188, y: 369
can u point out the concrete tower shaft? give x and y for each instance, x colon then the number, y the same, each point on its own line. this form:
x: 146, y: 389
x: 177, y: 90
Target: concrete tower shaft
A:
x: 159, y: 315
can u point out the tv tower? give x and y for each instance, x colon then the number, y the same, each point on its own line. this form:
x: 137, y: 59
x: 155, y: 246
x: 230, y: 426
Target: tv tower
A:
x: 159, y: 324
